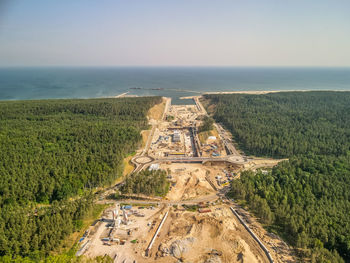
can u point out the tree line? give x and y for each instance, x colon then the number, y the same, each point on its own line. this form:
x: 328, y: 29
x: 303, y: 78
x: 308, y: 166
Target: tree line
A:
x: 207, y: 124
x: 32, y: 231
x: 306, y: 199
x: 146, y: 182
x: 287, y: 123
x: 52, y: 151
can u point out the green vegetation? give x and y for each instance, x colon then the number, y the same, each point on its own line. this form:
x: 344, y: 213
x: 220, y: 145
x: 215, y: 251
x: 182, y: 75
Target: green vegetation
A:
x: 207, y: 124
x: 288, y: 123
x: 53, y: 153
x: 33, y: 232
x: 70, y: 242
x: 170, y: 117
x: 191, y: 208
x: 147, y: 182
x: 306, y: 199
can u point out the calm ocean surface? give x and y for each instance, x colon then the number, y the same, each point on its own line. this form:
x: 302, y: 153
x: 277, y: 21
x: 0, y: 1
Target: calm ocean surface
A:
x: 175, y: 82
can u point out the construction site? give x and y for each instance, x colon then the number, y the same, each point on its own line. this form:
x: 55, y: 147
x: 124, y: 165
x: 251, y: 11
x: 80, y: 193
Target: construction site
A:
x: 194, y: 222
x: 176, y: 136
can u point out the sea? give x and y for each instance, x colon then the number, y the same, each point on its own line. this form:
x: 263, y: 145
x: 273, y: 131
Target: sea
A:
x: 32, y: 83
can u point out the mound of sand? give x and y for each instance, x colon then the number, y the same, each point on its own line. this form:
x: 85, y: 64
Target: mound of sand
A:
x: 179, y: 247
x: 192, y: 237
x: 190, y: 182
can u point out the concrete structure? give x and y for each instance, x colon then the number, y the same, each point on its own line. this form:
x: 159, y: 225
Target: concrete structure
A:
x: 156, y: 233
x: 231, y: 159
x: 176, y: 136
x: 178, y: 154
x: 253, y: 235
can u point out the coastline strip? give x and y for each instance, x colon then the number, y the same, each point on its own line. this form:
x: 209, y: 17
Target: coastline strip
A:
x: 122, y: 95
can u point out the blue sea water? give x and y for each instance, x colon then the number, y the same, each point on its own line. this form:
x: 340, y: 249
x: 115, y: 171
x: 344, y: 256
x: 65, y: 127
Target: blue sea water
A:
x: 175, y: 82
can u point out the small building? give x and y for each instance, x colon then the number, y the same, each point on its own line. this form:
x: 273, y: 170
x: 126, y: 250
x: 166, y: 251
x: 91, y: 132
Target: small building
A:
x: 176, y: 136
x: 204, y: 210
x: 127, y: 207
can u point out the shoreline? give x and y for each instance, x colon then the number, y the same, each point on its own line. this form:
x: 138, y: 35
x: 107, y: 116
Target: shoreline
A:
x: 121, y: 95
x: 257, y: 92
x: 127, y: 95
x: 254, y: 92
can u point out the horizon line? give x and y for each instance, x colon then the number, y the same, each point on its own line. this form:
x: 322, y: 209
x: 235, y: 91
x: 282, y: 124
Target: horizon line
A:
x: 171, y: 66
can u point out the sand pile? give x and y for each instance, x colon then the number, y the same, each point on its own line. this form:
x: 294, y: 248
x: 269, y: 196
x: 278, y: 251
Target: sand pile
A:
x: 206, y: 238
x: 182, y: 227
x: 179, y: 247
x: 190, y: 182
x: 196, y: 187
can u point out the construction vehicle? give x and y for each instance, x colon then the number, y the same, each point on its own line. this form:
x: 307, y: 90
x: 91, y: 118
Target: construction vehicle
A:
x: 215, y: 252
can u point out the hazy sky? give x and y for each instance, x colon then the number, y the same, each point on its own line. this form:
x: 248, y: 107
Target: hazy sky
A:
x: 175, y: 32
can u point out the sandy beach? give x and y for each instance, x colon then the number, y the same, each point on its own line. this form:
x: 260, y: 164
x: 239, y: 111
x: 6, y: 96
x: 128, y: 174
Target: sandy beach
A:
x: 256, y: 92
x: 252, y: 92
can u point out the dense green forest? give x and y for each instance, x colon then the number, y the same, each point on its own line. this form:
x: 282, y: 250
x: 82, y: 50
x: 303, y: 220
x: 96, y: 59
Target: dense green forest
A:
x: 146, y: 182
x: 287, y: 123
x: 52, y: 153
x: 207, y: 124
x: 306, y: 199
x: 33, y: 232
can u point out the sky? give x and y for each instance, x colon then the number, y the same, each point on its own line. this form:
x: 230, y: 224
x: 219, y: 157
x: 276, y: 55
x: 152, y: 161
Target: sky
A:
x: 175, y: 33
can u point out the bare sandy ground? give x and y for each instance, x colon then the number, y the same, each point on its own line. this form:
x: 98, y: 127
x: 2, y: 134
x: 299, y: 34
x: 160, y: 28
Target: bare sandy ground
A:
x: 156, y: 112
x: 190, y: 180
x: 142, y: 229
x: 213, y: 237
x: 279, y: 249
x: 194, y: 236
x: 262, y: 163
